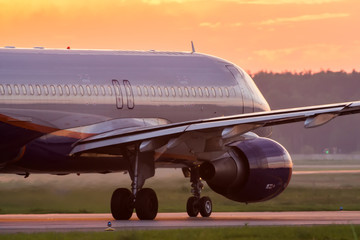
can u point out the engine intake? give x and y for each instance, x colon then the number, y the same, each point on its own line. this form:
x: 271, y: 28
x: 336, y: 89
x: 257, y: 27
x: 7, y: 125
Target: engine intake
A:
x: 253, y: 170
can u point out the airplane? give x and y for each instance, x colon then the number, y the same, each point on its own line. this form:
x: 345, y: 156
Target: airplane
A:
x: 65, y: 111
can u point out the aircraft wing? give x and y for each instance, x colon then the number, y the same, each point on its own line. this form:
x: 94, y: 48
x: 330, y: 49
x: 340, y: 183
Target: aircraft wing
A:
x: 150, y: 138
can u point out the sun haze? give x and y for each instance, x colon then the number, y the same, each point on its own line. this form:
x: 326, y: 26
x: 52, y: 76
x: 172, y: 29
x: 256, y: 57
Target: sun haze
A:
x: 276, y: 35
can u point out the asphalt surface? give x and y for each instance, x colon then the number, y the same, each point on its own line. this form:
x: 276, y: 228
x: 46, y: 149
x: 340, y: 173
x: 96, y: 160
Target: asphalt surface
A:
x: 13, y: 223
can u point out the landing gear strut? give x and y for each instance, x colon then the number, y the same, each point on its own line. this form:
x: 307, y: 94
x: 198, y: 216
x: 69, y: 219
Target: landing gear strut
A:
x: 195, y: 204
x: 143, y: 200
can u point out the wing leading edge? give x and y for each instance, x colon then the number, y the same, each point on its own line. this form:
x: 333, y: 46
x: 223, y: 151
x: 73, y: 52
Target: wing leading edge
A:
x: 227, y: 127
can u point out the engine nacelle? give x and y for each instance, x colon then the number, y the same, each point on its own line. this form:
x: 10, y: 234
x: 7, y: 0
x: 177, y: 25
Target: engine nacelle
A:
x: 254, y: 170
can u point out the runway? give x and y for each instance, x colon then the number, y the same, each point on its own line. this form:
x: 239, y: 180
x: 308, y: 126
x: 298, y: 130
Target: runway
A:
x: 98, y: 222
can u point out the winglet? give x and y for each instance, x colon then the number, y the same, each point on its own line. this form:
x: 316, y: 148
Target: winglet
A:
x: 192, y: 47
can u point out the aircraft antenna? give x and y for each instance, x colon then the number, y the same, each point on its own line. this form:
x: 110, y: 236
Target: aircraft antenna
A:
x: 192, y: 47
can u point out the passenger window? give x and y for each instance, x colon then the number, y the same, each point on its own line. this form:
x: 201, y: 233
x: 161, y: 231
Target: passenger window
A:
x: 186, y: 91
x: 166, y: 91
x: 110, y: 91
x: 88, y: 90
x: 81, y: 90
x: 180, y: 92
x: 23, y: 88
x: 96, y: 90
x: 139, y: 93
x: 2, y: 89
x: 103, y: 90
x: 227, y: 94
x: 220, y: 92
x: 159, y: 91
x: 46, y: 90
x: 38, y: 89
x: 213, y: 92
x: 233, y: 93
x: 9, y: 89
x: 17, y: 90
x: 200, y: 92
x: 173, y: 92
x: 61, y: 92
x: 74, y: 90
x: 207, y: 93
x: 146, y: 91
x: 67, y: 90
x: 31, y: 88
x: 193, y: 92
x: 53, y: 90
x: 152, y: 91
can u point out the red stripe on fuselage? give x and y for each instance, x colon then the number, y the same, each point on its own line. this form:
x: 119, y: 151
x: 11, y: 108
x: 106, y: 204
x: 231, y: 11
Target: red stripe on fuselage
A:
x: 43, y: 129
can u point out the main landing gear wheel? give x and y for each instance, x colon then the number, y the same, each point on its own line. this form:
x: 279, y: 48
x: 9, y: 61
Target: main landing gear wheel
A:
x: 205, y: 206
x: 192, y: 206
x: 122, y: 204
x: 146, y: 204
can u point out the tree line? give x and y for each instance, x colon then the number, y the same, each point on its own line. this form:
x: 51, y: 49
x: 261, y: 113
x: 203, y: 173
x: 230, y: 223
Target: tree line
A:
x: 287, y: 90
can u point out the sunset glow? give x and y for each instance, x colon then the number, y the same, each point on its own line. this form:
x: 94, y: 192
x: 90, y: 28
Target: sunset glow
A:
x: 258, y: 35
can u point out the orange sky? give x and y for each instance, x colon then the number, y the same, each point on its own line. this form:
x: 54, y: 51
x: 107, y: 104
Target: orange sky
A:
x: 257, y: 35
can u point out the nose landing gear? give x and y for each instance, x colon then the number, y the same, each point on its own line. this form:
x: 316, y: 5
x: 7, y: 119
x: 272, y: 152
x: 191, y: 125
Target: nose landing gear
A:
x: 195, y: 204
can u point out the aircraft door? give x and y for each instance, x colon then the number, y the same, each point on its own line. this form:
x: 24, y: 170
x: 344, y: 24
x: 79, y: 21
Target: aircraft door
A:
x: 129, y: 94
x: 118, y: 94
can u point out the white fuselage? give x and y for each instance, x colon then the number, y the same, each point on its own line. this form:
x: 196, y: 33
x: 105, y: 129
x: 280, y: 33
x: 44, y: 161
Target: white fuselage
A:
x: 68, y: 88
x: 78, y: 93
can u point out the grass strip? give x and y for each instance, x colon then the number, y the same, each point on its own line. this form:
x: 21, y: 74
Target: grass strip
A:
x: 45, y: 200
x: 342, y: 232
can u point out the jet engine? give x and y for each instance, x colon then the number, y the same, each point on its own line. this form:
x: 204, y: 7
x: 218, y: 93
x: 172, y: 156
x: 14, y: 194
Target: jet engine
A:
x: 253, y: 170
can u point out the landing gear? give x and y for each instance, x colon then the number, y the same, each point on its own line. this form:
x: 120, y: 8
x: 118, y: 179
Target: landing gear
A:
x: 195, y: 204
x: 143, y: 200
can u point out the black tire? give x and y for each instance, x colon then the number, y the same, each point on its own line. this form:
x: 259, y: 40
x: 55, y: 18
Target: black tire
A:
x: 205, y: 206
x: 192, y: 208
x: 146, y: 204
x: 122, y: 204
